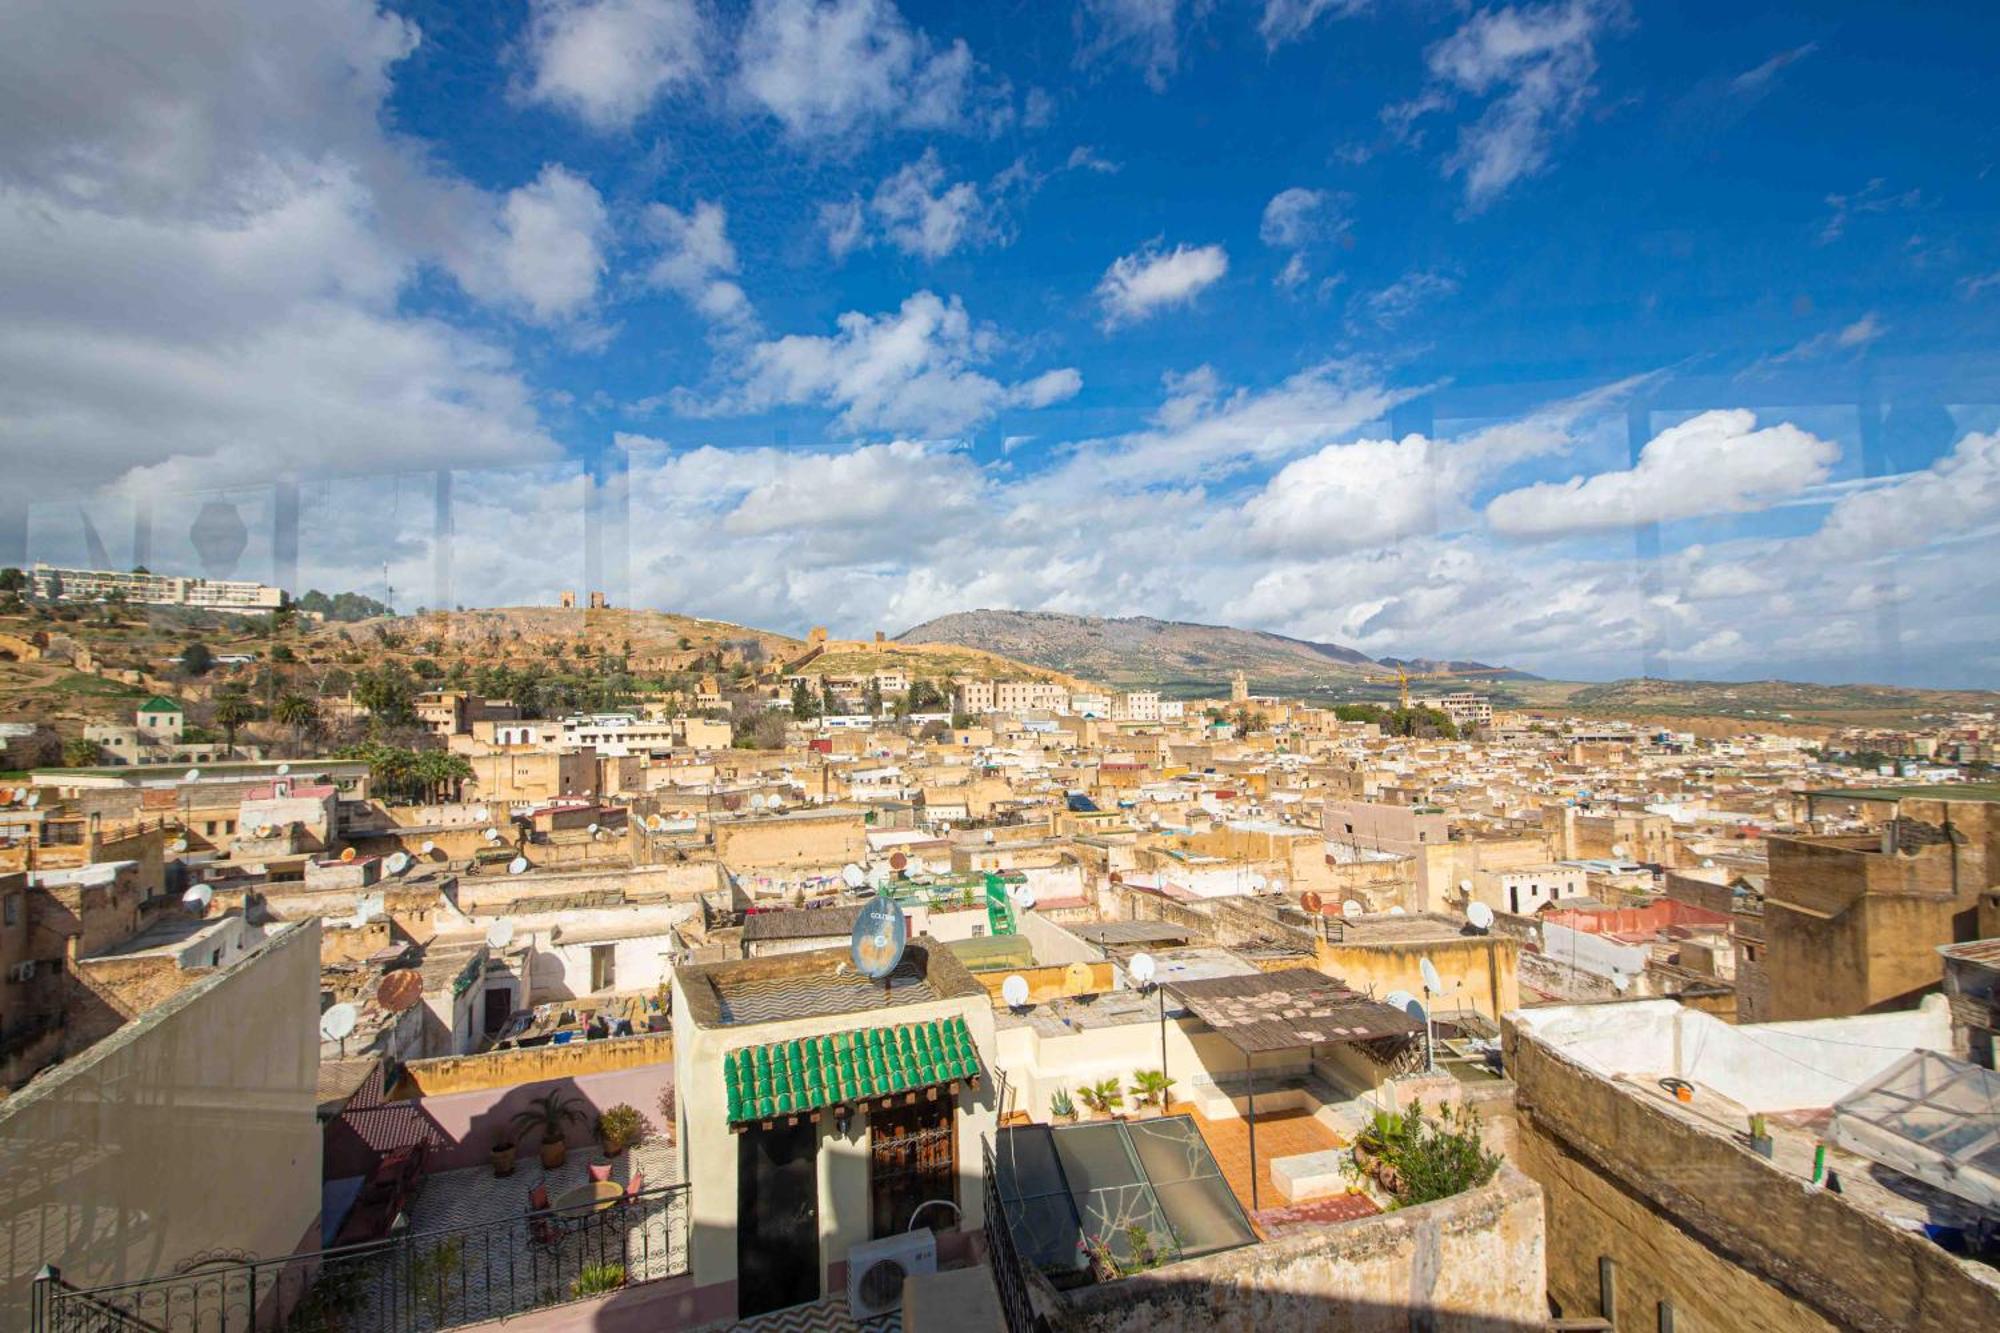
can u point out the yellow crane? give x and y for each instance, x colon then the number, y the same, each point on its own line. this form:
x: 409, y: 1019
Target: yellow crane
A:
x: 1404, y: 677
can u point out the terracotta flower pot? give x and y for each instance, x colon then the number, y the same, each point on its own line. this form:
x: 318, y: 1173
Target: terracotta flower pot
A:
x: 502, y: 1156
x: 554, y: 1152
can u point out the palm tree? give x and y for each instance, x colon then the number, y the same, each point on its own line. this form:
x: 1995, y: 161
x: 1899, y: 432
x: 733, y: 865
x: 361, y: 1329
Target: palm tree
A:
x: 232, y: 709
x: 297, y: 712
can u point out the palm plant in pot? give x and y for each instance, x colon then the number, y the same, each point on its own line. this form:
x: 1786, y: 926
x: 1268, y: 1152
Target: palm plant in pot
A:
x: 1149, y: 1090
x: 552, y: 1114
x: 1102, y: 1096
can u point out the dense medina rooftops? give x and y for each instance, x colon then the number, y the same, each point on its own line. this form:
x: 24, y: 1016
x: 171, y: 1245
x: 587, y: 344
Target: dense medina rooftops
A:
x: 819, y: 983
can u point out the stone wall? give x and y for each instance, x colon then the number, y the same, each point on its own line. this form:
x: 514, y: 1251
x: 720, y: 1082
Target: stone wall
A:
x: 1474, y: 1261
x: 1696, y: 1219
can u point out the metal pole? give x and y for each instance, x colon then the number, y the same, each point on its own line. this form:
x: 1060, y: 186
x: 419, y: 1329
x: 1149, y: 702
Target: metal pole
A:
x: 1251, y: 1074
x: 1165, y: 1097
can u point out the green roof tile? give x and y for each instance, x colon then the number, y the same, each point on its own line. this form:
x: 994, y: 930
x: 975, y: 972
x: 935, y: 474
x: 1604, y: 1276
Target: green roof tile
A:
x: 793, y: 1077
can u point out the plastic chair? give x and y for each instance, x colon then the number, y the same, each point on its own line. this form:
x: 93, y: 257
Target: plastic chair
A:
x: 634, y: 1185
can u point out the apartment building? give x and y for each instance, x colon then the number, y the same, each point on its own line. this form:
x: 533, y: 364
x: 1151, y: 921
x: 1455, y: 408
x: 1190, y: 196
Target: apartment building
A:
x: 89, y: 585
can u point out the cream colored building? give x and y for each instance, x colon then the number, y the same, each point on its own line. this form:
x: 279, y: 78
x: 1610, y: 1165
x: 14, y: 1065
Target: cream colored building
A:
x: 89, y: 585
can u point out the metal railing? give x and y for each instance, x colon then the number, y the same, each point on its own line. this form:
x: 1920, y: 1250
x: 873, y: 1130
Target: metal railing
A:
x: 1010, y: 1279
x: 414, y: 1283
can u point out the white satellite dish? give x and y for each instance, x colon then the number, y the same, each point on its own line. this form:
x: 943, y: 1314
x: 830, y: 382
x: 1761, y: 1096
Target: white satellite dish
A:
x: 1024, y: 898
x: 1620, y: 982
x: 1415, y: 1009
x: 1465, y: 886
x: 199, y: 897
x: 1398, y: 999
x: 1432, y: 981
x: 1480, y: 915
x: 493, y: 835
x: 1708, y: 863
x: 397, y: 863
x: 1277, y: 886
x: 179, y: 845
x: 192, y: 775
x: 1142, y: 968
x: 428, y: 847
x: 1353, y: 907
x: 1397, y: 911
x: 500, y: 934
x: 593, y: 830
x: 1618, y: 850
x: 34, y: 799
x: 517, y: 865
x: 757, y: 801
x: 878, y: 875
x: 1014, y: 990
x: 775, y: 803
x: 853, y: 875
x: 338, y: 1022
x: 480, y: 814
x: 284, y: 769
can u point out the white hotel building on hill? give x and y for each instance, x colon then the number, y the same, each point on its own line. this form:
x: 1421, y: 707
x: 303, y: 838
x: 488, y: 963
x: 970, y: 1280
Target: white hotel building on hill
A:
x: 89, y: 585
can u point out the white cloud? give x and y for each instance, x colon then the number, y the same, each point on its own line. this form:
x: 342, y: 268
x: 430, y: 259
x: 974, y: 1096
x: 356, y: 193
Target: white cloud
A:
x: 1085, y: 158
x: 1534, y: 66
x: 1718, y: 462
x: 1144, y: 33
x: 1290, y: 20
x: 1389, y: 306
x: 553, y: 251
x: 1956, y: 495
x: 1847, y: 338
x: 922, y: 215
x: 1349, y: 496
x: 910, y: 370
x: 697, y: 260
x: 829, y: 69
x: 1295, y: 272
x: 1874, y: 198
x: 1295, y: 218
x: 1755, y: 82
x: 607, y: 61
x: 1140, y: 285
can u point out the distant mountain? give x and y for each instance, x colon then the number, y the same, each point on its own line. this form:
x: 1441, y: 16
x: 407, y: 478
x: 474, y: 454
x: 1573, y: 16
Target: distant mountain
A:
x: 1139, y: 650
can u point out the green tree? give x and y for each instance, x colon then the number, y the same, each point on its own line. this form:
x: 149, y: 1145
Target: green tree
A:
x: 12, y: 580
x: 232, y: 709
x: 298, y: 713
x: 802, y: 701
x: 79, y: 753
x: 196, y: 659
x: 873, y: 701
x: 386, y: 693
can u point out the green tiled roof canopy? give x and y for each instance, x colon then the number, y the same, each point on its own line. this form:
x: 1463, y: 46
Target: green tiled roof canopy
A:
x: 794, y: 1077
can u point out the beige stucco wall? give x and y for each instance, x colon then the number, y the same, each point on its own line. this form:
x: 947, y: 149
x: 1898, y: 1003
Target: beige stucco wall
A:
x: 186, y: 1132
x: 709, y: 1151
x: 1479, y: 972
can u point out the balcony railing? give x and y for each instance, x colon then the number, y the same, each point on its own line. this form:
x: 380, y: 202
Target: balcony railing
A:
x: 413, y: 1283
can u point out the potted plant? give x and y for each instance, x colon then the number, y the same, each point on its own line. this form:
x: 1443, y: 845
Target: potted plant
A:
x: 668, y: 1116
x: 596, y: 1279
x: 502, y: 1155
x: 552, y: 1113
x: 1149, y: 1090
x: 1061, y: 1106
x: 1101, y: 1096
x: 619, y: 1128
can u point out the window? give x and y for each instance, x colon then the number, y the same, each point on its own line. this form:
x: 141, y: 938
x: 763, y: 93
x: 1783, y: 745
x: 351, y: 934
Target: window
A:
x: 13, y: 909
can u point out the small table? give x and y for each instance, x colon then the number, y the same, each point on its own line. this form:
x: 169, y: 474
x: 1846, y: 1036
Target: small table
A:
x: 591, y: 1197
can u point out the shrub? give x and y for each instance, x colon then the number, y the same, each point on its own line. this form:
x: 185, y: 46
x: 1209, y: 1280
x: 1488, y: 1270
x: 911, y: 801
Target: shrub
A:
x: 596, y: 1279
x: 1432, y: 1158
x: 620, y: 1127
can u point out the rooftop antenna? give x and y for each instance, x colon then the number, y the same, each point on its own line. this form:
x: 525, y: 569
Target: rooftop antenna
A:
x: 337, y: 1024
x: 1433, y: 985
x: 1014, y: 990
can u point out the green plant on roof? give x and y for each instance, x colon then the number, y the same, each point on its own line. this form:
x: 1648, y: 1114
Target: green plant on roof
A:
x: 551, y: 1113
x: 1102, y: 1095
x: 1149, y: 1087
x: 1060, y: 1105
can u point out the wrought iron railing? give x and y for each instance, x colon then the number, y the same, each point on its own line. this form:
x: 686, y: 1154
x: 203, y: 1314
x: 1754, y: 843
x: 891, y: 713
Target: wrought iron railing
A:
x: 413, y: 1283
x: 1010, y: 1279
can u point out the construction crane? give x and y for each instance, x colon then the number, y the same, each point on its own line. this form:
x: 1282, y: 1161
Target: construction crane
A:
x: 1403, y: 679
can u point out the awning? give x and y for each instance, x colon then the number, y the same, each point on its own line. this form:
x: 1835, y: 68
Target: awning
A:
x: 788, y: 1078
x: 1288, y: 1009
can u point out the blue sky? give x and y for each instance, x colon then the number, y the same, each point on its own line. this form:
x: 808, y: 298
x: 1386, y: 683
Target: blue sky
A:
x: 1596, y: 337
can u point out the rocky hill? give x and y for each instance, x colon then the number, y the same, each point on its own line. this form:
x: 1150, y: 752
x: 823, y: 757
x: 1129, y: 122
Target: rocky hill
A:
x: 1139, y: 650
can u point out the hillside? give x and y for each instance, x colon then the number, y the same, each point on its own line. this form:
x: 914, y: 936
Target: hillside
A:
x: 1760, y: 700
x: 651, y: 639
x: 1139, y: 650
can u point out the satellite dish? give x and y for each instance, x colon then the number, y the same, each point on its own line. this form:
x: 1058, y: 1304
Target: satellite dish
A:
x: 517, y: 865
x: 879, y: 936
x: 398, y: 863
x: 775, y: 803
x: 1708, y: 863
x: 1312, y: 902
x: 1620, y: 982
x: 1415, y: 1009
x: 1014, y: 990
x: 1024, y: 898
x: 757, y: 801
x: 1432, y: 981
x: 1465, y: 886
x: 878, y: 875
x: 480, y: 814
x: 347, y: 854
x: 853, y: 876
x: 199, y: 897
x: 34, y: 799
x: 1397, y: 911
x: 192, y: 775
x: 1399, y: 999
x: 1618, y: 850
x: 1142, y: 968
x: 284, y: 769
x: 1078, y: 980
x: 493, y: 835
x: 1480, y: 915
x: 593, y: 830
x: 898, y: 861
x: 400, y: 989
x: 1277, y: 886
x: 1353, y: 907
x: 265, y: 830
x: 179, y: 844
x: 338, y: 1022
x: 429, y: 847
x: 500, y: 934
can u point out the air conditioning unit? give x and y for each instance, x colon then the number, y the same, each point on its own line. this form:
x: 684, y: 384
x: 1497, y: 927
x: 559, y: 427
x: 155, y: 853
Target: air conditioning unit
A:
x: 877, y: 1270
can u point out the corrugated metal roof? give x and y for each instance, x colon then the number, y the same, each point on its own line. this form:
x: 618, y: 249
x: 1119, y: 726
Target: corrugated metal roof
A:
x: 1282, y: 1011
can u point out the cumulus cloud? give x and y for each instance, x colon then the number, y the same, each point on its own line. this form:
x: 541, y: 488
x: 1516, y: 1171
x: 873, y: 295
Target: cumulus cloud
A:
x: 1140, y: 285
x: 1957, y: 495
x: 919, y: 211
x: 909, y: 370
x: 829, y: 69
x: 1534, y: 68
x: 553, y: 255
x: 1349, y: 496
x: 697, y: 260
x: 1718, y: 462
x: 607, y: 61
x: 1142, y: 33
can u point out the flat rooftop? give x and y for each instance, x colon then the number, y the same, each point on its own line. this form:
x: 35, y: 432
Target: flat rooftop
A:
x: 820, y: 983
